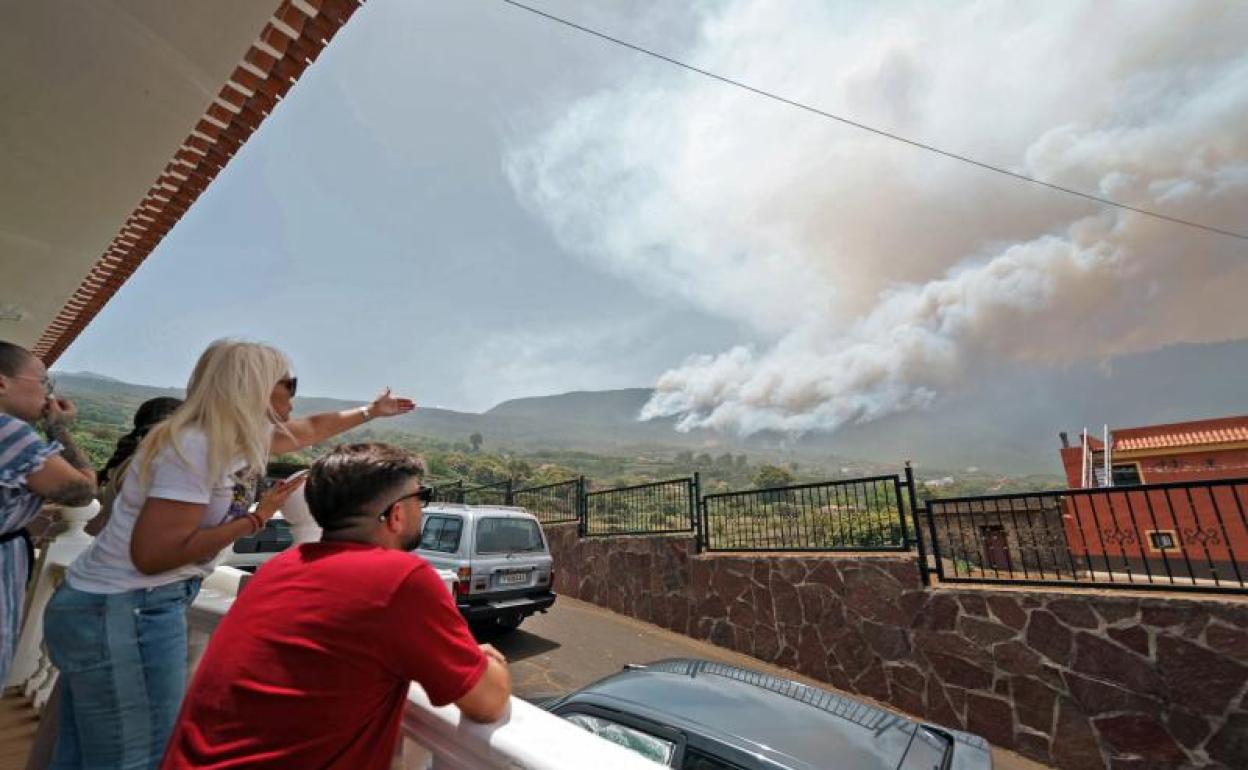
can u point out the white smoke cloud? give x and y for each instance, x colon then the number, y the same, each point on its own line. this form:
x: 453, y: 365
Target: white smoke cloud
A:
x: 883, y: 276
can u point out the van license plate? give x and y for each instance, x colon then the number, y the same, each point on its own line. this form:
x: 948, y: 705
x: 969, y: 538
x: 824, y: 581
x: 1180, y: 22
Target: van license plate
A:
x: 513, y: 578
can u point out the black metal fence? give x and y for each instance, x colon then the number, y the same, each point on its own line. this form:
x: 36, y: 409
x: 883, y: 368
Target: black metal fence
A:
x: 867, y: 514
x: 1189, y: 536
x: 1174, y: 536
x: 553, y: 503
x: 448, y: 492
x: 494, y: 493
x: 657, y: 508
x: 497, y: 493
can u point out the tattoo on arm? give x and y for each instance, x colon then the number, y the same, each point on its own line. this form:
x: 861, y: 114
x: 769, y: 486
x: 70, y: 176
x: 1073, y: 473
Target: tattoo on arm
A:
x: 78, y: 492
x: 58, y: 431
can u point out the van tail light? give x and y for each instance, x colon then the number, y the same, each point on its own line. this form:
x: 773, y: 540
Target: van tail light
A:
x: 463, y: 584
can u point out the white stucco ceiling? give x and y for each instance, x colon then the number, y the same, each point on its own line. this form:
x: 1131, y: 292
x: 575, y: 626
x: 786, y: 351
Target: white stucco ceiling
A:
x: 95, y: 98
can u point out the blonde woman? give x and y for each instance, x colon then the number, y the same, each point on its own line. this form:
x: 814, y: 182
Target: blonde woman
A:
x: 116, y: 628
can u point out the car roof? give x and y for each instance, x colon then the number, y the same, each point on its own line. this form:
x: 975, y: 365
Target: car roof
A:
x: 505, y: 511
x: 789, y: 723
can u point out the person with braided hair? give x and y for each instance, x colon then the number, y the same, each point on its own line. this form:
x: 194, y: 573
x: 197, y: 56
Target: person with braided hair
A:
x: 150, y: 413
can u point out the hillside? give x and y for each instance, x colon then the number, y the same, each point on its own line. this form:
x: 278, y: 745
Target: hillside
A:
x: 591, y: 422
x: 1007, y: 424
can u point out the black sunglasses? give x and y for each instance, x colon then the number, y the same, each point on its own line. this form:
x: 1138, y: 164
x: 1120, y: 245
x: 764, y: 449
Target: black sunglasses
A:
x: 424, y: 495
x: 291, y: 383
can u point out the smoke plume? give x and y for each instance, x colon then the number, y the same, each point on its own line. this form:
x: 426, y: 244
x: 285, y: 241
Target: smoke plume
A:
x: 880, y: 276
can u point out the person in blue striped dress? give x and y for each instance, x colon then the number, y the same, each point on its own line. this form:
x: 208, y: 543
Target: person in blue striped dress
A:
x: 32, y: 471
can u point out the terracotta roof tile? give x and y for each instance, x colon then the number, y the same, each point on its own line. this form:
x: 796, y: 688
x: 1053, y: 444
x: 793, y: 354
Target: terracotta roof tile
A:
x: 1224, y: 430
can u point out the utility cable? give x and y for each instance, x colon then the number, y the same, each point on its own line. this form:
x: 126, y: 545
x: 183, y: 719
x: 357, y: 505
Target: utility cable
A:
x: 880, y: 132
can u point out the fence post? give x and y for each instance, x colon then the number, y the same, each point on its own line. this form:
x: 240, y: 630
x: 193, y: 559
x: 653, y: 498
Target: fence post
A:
x: 704, y: 533
x: 695, y: 510
x: 582, y: 508
x: 508, y: 494
x: 924, y: 571
x: 931, y: 528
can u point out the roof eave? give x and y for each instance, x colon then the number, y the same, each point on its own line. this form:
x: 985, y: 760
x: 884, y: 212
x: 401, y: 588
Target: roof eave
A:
x: 291, y: 40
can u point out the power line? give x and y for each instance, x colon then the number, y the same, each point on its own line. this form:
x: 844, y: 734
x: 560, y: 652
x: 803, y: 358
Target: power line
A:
x: 872, y: 129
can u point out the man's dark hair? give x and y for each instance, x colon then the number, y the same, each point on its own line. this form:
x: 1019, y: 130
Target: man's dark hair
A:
x: 13, y: 358
x: 355, y: 481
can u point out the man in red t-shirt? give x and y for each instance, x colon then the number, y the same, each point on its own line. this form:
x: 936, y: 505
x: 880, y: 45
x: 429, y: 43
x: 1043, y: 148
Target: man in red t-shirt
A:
x: 310, y: 668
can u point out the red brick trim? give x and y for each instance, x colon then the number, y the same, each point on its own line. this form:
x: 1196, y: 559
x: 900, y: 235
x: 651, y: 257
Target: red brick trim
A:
x: 242, y: 104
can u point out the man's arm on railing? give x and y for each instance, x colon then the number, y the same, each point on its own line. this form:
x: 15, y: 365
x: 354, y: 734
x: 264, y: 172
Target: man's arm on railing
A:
x: 487, y: 700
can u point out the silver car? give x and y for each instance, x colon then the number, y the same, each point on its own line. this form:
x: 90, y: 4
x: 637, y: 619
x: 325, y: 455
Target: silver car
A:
x: 500, y: 557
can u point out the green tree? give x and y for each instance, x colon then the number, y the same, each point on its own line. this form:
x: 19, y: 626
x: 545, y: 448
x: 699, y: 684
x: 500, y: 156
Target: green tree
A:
x: 487, y: 469
x: 519, y: 469
x: 457, y: 463
x: 475, y: 439
x: 772, y: 476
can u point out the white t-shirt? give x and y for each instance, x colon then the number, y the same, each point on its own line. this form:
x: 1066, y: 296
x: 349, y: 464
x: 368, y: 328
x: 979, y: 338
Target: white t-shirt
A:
x: 106, y: 568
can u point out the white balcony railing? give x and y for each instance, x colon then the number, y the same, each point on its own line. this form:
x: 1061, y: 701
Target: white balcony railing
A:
x: 527, y: 738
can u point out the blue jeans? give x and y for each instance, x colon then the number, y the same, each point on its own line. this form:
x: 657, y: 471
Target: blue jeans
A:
x: 122, y: 659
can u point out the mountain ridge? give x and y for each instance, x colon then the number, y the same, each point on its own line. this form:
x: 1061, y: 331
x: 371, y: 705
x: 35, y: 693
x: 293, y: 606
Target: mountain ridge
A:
x: 982, y: 425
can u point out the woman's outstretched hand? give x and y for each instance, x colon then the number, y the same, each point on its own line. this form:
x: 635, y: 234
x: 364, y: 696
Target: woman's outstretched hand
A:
x: 388, y: 405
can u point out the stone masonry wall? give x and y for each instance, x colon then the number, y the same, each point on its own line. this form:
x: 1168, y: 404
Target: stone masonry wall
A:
x: 1073, y: 679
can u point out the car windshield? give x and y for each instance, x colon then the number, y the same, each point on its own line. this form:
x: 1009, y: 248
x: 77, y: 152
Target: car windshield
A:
x: 649, y: 746
x: 508, y: 535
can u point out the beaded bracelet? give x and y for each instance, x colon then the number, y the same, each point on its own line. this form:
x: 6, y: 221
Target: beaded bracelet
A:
x: 257, y: 523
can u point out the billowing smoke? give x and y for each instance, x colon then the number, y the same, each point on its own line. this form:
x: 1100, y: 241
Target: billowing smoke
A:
x: 878, y: 275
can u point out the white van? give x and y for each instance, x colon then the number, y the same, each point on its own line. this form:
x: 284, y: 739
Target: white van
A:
x: 500, y: 557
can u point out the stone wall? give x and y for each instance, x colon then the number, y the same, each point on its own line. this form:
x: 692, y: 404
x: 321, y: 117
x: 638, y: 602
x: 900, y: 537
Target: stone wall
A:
x: 1073, y: 679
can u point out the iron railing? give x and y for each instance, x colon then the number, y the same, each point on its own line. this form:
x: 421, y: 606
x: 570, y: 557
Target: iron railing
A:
x: 649, y: 509
x: 556, y: 503
x: 867, y: 514
x: 448, y: 492
x: 494, y: 493
x: 1173, y: 536
x: 1176, y: 536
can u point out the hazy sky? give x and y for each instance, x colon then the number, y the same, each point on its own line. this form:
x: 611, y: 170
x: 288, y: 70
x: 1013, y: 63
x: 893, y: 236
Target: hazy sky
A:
x: 470, y: 203
x: 370, y: 231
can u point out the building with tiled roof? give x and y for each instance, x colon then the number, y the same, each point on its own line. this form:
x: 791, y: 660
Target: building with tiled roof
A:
x: 1218, y: 434
x: 1197, y: 450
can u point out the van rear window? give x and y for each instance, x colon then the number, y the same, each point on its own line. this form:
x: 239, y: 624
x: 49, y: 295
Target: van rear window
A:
x: 441, y: 533
x: 499, y: 535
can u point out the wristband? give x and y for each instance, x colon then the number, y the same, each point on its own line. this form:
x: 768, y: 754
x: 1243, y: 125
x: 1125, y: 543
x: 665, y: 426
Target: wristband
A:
x: 257, y: 523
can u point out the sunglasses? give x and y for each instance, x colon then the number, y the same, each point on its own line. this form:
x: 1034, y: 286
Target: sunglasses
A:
x: 291, y: 383
x: 49, y: 385
x: 424, y: 495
